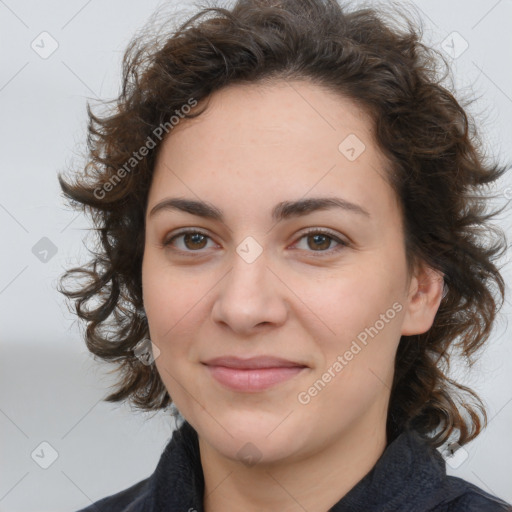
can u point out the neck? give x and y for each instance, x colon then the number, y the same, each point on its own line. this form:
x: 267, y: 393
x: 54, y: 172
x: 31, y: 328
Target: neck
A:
x: 314, y: 482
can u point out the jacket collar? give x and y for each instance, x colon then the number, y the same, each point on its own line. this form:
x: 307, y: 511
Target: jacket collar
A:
x: 408, y: 476
x: 178, y: 482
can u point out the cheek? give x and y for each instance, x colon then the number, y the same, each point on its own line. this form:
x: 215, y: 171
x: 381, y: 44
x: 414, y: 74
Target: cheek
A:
x: 347, y: 302
x: 361, y: 311
x: 170, y: 297
x: 170, y: 300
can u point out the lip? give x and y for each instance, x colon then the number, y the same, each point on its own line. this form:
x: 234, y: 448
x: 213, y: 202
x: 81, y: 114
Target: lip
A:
x: 253, y: 374
x: 252, y: 362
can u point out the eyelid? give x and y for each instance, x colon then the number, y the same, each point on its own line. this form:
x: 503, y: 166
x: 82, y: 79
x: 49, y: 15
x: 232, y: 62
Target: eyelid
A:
x: 324, y: 231
x: 312, y: 230
x: 342, y: 243
x: 190, y: 230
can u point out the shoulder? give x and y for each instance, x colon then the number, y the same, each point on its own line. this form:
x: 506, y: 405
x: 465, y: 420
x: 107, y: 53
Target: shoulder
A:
x: 467, y: 497
x: 132, y: 499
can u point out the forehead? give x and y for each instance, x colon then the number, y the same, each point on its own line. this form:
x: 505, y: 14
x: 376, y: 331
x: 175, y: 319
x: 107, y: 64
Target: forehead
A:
x: 278, y: 113
x: 272, y: 142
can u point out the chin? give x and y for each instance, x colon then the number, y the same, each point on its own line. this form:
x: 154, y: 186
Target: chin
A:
x: 252, y: 436
x: 252, y: 450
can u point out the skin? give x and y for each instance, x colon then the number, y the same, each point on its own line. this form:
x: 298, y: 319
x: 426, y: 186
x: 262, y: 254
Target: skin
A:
x: 255, y: 146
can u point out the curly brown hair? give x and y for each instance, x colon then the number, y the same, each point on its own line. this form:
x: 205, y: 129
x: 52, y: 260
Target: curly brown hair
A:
x: 439, y: 172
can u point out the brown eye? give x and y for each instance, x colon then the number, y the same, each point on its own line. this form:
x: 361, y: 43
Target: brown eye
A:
x: 188, y: 241
x: 194, y: 241
x: 321, y: 242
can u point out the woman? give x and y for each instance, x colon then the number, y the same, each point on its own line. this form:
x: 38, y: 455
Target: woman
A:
x: 294, y: 238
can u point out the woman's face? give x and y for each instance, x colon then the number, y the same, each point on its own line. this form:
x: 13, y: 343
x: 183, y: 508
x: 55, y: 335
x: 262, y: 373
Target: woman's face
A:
x: 321, y: 294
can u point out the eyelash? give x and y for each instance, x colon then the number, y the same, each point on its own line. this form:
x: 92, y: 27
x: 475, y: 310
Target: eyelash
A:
x: 341, y: 243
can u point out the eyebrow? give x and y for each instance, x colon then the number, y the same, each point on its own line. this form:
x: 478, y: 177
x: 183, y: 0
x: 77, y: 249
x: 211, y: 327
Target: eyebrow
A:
x: 283, y: 210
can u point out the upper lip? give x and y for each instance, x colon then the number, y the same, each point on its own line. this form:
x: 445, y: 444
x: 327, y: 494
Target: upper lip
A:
x: 252, y: 362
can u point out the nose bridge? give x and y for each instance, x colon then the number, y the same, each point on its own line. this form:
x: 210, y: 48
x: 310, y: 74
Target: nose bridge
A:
x: 248, y: 278
x: 249, y: 267
x: 250, y: 294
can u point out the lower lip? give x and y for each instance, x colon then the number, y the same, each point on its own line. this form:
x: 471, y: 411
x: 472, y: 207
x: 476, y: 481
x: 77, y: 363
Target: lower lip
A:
x: 257, y: 379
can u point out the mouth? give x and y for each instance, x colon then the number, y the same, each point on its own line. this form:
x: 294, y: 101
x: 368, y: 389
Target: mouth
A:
x: 253, y: 374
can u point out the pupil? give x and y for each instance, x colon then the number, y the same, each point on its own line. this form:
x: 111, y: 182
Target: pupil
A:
x: 195, y: 238
x: 318, y: 238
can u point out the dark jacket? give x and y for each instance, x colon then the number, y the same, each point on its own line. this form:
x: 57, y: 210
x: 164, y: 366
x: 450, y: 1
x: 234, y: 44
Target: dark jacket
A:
x: 410, y: 476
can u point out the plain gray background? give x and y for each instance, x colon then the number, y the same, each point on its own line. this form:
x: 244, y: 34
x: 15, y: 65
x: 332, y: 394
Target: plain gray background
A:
x: 51, y: 389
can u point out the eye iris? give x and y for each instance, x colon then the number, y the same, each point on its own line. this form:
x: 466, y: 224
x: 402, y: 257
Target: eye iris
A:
x: 195, y: 238
x: 325, y: 238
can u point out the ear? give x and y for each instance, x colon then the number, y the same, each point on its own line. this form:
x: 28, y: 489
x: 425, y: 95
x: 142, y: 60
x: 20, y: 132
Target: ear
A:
x: 424, y: 298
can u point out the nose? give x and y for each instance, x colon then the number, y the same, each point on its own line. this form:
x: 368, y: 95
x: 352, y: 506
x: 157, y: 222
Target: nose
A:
x: 250, y: 297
